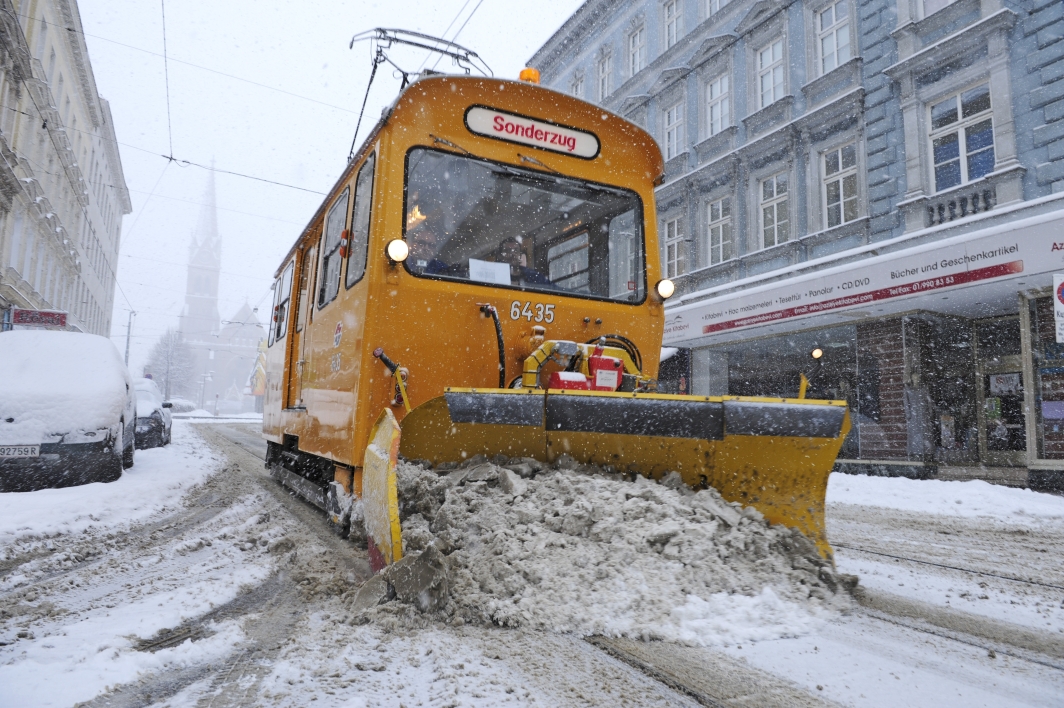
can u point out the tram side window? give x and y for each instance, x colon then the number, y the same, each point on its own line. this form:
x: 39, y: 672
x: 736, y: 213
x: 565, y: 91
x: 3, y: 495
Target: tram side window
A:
x: 330, y: 251
x: 494, y: 224
x: 356, y: 257
x: 302, y: 302
x: 282, y: 296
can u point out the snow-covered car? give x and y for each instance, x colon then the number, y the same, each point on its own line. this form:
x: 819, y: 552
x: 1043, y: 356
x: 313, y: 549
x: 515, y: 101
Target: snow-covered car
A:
x: 182, y: 405
x: 153, y: 415
x: 67, y: 410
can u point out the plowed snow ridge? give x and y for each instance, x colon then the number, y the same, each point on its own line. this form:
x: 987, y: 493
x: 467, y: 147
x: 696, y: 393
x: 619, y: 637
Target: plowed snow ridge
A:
x: 576, y: 549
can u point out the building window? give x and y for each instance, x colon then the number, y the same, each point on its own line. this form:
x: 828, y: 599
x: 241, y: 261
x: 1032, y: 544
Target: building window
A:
x: 840, y: 185
x: 962, y: 138
x: 674, y: 138
x: 719, y: 232
x: 675, y: 249
x: 718, y: 113
x: 673, y: 30
x: 714, y: 6
x: 577, y: 87
x: 605, y: 68
x: 833, y: 33
x: 637, y: 51
x: 770, y: 73
x: 775, y: 223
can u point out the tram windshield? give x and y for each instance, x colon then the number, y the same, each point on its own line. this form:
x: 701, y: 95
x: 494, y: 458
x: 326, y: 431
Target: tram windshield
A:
x: 485, y: 222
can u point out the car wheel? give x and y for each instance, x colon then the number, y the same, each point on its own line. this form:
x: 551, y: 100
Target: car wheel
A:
x: 169, y: 436
x: 127, y: 456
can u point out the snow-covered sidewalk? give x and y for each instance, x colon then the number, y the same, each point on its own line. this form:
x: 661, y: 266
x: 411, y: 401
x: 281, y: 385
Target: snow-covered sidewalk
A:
x: 92, y: 580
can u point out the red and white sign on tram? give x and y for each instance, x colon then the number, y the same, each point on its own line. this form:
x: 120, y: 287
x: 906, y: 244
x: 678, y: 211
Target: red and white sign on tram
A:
x: 529, y: 131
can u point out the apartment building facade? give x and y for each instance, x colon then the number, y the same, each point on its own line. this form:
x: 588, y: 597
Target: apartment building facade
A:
x: 880, y: 182
x: 62, y: 189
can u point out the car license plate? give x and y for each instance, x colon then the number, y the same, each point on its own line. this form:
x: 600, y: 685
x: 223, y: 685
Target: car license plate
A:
x: 20, y: 451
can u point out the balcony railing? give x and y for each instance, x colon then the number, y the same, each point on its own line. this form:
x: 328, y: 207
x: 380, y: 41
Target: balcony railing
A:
x: 958, y: 205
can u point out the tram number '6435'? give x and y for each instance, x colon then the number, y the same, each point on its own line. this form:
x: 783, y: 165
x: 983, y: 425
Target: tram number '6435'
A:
x: 538, y: 312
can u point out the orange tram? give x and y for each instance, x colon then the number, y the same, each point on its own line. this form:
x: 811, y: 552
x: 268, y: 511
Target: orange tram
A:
x: 485, y: 274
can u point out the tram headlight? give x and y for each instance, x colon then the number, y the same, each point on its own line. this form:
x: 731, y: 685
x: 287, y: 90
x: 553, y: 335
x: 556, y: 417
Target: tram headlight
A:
x: 665, y: 288
x: 397, y: 250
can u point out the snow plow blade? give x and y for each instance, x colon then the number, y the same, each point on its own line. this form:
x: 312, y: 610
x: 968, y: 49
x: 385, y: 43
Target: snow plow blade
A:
x: 773, y: 454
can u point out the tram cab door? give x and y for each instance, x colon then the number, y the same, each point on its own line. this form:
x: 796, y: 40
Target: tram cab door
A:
x: 297, y: 354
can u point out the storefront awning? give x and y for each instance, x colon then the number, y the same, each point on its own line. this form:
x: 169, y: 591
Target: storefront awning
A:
x: 974, y: 274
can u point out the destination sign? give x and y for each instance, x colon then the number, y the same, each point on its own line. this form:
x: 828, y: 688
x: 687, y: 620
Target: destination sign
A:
x: 529, y: 131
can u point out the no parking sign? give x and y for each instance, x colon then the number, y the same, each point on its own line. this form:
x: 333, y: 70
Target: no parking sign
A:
x: 1058, y: 306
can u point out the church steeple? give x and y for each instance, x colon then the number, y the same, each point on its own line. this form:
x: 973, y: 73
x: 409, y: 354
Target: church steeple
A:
x: 200, y: 318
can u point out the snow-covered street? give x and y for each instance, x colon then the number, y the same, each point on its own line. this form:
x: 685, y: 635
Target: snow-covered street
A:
x: 196, y: 580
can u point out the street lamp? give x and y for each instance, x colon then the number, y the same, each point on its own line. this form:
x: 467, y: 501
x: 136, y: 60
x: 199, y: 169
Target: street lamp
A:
x: 203, y: 388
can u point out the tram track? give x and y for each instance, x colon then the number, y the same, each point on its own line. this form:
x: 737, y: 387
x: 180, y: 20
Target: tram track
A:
x: 948, y: 567
x: 664, y: 663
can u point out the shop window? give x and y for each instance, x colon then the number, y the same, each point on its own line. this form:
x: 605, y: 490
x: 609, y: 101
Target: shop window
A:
x: 605, y: 69
x: 719, y: 231
x: 674, y: 133
x: 331, y: 257
x: 675, y: 249
x: 637, y: 51
x: 718, y: 105
x: 1048, y: 360
x: 770, y: 73
x: 775, y: 219
x: 962, y: 138
x: 833, y: 35
x: 360, y: 219
x: 840, y: 185
x: 673, y: 18
x: 281, y: 297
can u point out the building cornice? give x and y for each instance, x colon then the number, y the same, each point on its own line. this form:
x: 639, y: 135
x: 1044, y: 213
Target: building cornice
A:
x: 957, y: 43
x: 555, y: 49
x: 76, y: 37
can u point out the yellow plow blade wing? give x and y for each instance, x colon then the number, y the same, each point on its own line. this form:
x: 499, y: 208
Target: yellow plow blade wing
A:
x: 380, y: 497
x: 769, y: 453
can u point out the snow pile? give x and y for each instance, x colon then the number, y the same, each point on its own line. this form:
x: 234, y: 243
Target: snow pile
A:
x: 58, y: 382
x: 576, y: 549
x: 157, y: 482
x: 932, y: 496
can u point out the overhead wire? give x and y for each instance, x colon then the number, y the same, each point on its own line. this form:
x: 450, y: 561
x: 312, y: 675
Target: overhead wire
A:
x: 459, y: 30
x: 166, y: 74
x: 428, y: 55
x: 189, y: 63
x: 170, y: 156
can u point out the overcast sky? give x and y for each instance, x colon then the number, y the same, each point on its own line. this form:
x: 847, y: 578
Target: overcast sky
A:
x: 294, y: 127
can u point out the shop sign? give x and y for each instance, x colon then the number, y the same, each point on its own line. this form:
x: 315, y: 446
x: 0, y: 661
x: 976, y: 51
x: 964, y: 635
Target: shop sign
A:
x: 1005, y: 384
x: 1058, y: 305
x: 529, y: 131
x: 38, y: 318
x: 1026, y: 247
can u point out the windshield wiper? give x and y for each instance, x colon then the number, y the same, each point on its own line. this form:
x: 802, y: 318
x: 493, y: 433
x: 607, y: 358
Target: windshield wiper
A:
x: 444, y: 141
x: 534, y: 161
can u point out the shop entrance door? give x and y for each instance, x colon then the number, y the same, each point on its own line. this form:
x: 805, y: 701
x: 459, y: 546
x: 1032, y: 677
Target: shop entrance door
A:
x: 1002, y: 423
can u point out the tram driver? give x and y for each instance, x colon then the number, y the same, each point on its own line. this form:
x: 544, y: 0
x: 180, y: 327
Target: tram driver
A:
x: 424, y: 241
x: 512, y: 252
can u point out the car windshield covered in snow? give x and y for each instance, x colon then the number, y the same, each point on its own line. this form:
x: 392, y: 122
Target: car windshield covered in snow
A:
x: 485, y: 222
